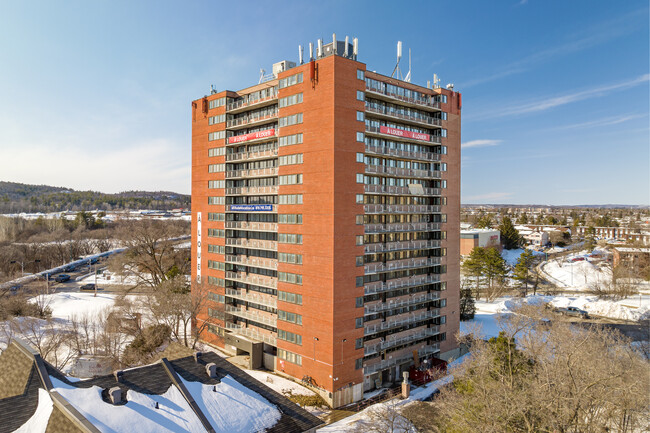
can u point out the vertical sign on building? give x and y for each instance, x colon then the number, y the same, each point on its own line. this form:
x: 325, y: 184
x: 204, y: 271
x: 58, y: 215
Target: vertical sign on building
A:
x: 198, y: 247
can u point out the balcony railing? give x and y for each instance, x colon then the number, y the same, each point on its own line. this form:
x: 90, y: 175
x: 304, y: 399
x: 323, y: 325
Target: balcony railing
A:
x: 389, y: 343
x: 260, y: 172
x: 432, y: 138
x: 249, y: 120
x: 426, y: 120
x: 400, y: 208
x: 401, y: 245
x: 401, y: 190
x: 398, y: 283
x: 253, y: 297
x: 258, y: 262
x: 252, y: 190
x: 427, y: 103
x: 387, y: 363
x: 241, y: 156
x: 382, y: 150
x: 420, y: 262
x: 251, y: 315
x: 251, y: 333
x: 252, y: 243
x: 410, y: 320
x: 249, y: 102
x: 403, y: 302
x: 406, y: 172
x: 252, y: 226
x: 258, y: 280
x: 399, y: 227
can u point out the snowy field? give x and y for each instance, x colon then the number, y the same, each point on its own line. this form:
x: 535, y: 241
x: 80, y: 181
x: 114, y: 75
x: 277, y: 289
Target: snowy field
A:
x: 69, y: 304
x: 511, y: 256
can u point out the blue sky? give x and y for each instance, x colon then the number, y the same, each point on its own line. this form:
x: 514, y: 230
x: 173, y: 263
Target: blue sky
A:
x: 96, y: 95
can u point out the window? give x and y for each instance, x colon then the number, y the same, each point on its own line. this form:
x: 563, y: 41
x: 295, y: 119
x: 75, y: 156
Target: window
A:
x: 288, y: 277
x: 296, y: 158
x: 358, y: 364
x: 220, y: 266
x: 358, y: 322
x: 292, y: 298
x: 290, y: 317
x: 216, y: 281
x: 217, y: 151
x: 290, y: 337
x: 360, y: 240
x: 443, y: 166
x: 443, y: 132
x: 290, y: 218
x: 360, y: 96
x: 359, y: 219
x: 443, y: 303
x: 359, y: 260
x: 294, y: 119
x: 290, y: 140
x: 216, y: 184
x: 290, y: 81
x: 443, y: 183
x: 217, y: 200
x: 290, y: 199
x: 359, y: 281
x: 360, y: 137
x: 216, y: 249
x: 443, y: 320
x: 217, y: 103
x: 216, y: 313
x: 290, y: 100
x: 216, y: 233
x: 216, y: 297
x: 290, y: 356
x: 359, y: 178
x: 214, y: 216
x: 360, y: 198
x: 290, y: 179
x: 359, y: 302
x: 219, y: 135
x: 216, y: 168
x: 295, y: 259
x: 359, y: 157
x: 216, y: 119
x: 288, y: 238
x: 358, y: 344
x: 360, y: 74
x: 360, y: 116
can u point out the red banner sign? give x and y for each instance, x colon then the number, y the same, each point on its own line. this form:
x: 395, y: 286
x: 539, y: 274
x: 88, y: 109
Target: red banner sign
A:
x: 402, y: 133
x: 252, y: 136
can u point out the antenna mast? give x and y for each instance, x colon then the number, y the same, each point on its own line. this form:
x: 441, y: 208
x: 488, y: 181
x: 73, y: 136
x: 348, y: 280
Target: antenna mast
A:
x: 396, y: 72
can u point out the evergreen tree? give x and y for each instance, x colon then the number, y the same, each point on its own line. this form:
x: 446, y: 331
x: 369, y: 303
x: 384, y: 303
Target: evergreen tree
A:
x: 467, y: 304
x: 509, y: 235
x: 523, y: 219
x: 474, y: 265
x: 523, y: 267
x: 590, y: 242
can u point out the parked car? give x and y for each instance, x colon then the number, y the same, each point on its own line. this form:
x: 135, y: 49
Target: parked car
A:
x: 89, y: 286
x: 573, y: 311
x: 62, y: 278
x: 93, y: 260
x: 70, y: 268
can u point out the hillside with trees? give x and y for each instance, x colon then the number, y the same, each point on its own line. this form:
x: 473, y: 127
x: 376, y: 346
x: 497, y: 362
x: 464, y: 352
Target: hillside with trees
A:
x: 19, y: 197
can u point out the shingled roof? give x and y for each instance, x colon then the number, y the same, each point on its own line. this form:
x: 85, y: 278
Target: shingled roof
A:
x: 23, y: 372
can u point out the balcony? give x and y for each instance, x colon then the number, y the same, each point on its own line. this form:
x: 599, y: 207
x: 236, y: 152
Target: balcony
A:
x: 400, y: 208
x: 382, y: 150
x: 403, y: 302
x: 406, y: 172
x: 260, y: 172
x: 258, y: 262
x: 399, y: 283
x: 252, y: 333
x: 267, y: 301
x: 375, y: 131
x: 385, y: 95
x: 396, y: 265
x: 404, y: 321
x: 401, y: 245
x: 393, y: 342
x: 387, y: 363
x: 399, y: 227
x: 385, y: 113
x: 245, y: 122
x: 401, y: 190
x: 252, y: 226
x: 258, y: 244
x: 253, y: 190
x: 247, y: 156
x: 248, y: 103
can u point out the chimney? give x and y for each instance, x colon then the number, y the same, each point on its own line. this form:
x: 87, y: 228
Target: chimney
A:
x: 197, y: 356
x: 118, y: 375
x: 115, y: 394
x: 211, y: 370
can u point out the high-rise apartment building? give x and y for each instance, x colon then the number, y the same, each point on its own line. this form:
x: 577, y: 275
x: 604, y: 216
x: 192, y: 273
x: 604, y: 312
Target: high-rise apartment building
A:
x: 325, y: 221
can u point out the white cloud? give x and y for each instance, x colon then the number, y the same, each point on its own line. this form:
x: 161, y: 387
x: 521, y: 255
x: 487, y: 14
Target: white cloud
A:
x: 480, y: 143
x: 607, y: 121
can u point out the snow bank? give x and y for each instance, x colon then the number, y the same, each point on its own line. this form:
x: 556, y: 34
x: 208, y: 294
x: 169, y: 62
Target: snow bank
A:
x: 38, y: 422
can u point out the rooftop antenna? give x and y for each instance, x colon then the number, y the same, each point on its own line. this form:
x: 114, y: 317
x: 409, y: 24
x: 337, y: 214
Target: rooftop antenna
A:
x: 311, y: 51
x: 334, y: 42
x: 408, y: 76
x: 300, y: 54
x: 436, y: 81
x: 345, y: 50
x: 320, y: 48
x: 396, y: 72
x: 262, y: 72
x: 355, y: 47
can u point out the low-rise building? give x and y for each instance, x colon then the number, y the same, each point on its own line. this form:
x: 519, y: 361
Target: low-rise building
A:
x: 469, y: 239
x: 636, y: 260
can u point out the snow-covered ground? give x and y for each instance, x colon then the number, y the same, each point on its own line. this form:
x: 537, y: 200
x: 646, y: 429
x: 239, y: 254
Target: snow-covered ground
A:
x: 68, y: 304
x: 280, y: 384
x: 511, y: 256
